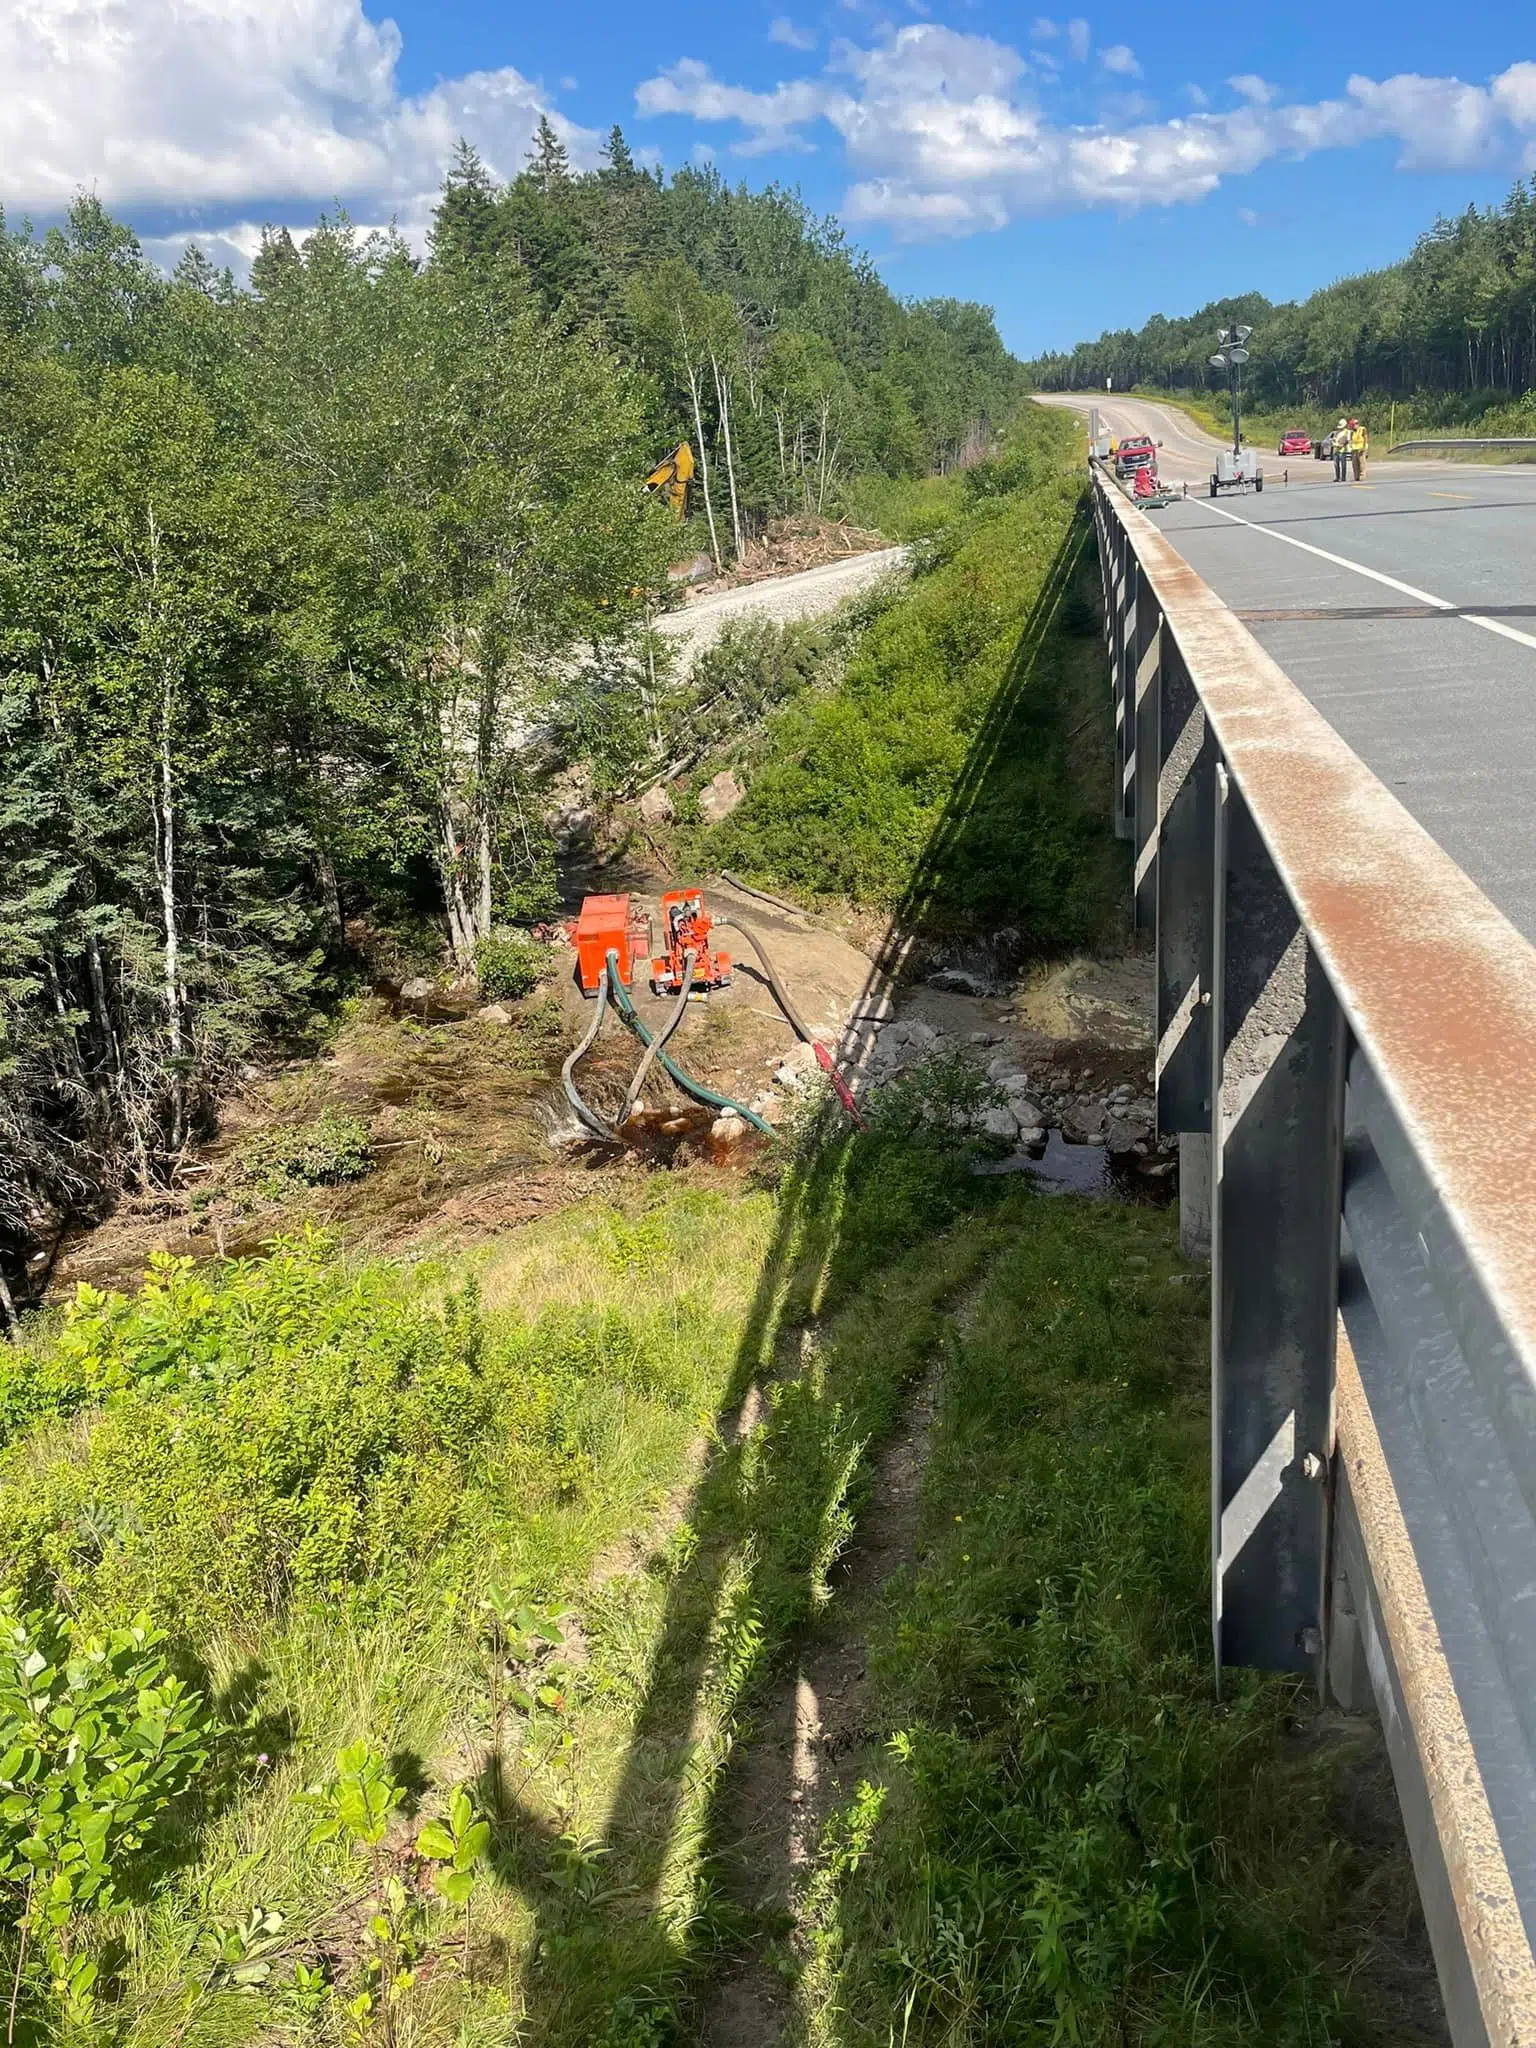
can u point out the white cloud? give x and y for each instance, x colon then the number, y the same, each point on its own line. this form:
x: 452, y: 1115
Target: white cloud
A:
x: 1248, y: 217
x: 1045, y: 30
x: 1197, y: 95
x: 782, y: 30
x: 1120, y: 58
x: 231, y: 106
x: 943, y: 133
x: 771, y: 119
x: 1249, y: 86
x: 1079, y: 39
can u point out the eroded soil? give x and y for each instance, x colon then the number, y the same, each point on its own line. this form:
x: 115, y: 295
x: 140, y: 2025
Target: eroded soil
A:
x: 471, y: 1133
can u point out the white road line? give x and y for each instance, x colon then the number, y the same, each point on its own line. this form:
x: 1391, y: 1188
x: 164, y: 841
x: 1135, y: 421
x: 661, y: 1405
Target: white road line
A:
x: 1439, y: 604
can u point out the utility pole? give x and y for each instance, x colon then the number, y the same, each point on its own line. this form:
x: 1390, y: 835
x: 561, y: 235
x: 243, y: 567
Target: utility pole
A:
x: 1231, y: 356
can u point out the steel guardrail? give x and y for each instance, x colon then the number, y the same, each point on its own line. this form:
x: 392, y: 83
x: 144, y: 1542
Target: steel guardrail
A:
x: 1347, y: 1048
x: 1467, y: 446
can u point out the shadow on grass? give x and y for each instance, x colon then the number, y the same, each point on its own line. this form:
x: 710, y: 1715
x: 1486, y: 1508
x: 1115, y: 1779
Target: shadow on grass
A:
x: 847, y: 1310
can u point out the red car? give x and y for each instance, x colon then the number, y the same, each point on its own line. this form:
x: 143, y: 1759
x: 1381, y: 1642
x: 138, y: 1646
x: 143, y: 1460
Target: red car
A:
x: 1295, y: 443
x: 1136, y: 451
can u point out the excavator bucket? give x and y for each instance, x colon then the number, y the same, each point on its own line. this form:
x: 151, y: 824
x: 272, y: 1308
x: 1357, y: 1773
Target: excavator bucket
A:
x: 672, y: 478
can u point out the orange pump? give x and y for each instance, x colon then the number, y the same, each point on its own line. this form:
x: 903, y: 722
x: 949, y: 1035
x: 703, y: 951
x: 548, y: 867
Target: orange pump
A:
x: 608, y: 924
x: 686, y: 926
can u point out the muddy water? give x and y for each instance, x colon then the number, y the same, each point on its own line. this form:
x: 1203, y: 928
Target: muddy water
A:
x: 671, y: 1137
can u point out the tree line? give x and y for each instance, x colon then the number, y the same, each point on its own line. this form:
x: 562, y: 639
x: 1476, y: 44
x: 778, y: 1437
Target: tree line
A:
x: 1456, y: 319
x: 294, y: 576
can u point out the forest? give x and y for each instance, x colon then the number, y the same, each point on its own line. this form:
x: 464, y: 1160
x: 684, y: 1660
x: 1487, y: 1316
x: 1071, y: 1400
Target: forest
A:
x: 300, y: 579
x: 1453, y: 327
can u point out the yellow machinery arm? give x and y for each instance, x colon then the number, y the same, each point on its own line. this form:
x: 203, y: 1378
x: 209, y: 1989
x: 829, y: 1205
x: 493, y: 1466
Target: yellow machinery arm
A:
x: 672, y: 478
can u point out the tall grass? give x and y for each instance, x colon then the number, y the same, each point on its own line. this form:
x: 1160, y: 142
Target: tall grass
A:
x: 1068, y: 1836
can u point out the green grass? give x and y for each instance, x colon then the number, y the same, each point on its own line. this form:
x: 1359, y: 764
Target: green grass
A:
x: 955, y: 767
x: 1068, y: 1837
x: 314, y: 1476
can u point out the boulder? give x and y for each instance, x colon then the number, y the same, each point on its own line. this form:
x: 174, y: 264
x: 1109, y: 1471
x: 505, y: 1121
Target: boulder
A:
x: 719, y: 797
x: 493, y: 1013
x: 574, y: 826
x: 1026, y: 1111
x: 416, y: 990
x: 787, y: 1077
x: 728, y: 1127
x: 920, y: 1036
x: 1032, y: 1138
x: 801, y: 1058
x: 699, y: 570
x: 656, y: 806
x: 1126, y: 1134
x: 984, y: 1038
x: 997, y: 1123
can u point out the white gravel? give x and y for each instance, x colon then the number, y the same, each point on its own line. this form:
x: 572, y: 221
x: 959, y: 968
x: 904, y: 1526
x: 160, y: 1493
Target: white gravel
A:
x: 781, y: 598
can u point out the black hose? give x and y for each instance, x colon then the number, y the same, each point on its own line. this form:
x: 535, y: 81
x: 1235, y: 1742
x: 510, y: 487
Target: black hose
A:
x: 589, y: 1118
x: 773, y: 902
x: 781, y: 993
x: 685, y: 1081
x: 690, y: 958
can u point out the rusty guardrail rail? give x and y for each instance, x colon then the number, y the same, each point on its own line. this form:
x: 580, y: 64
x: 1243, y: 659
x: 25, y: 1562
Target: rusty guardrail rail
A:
x: 1344, y: 1025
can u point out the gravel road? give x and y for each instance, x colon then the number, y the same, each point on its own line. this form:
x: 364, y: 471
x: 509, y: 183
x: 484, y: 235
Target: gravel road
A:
x: 781, y: 598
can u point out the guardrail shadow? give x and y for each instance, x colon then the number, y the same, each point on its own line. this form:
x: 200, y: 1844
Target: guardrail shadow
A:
x: 629, y: 1926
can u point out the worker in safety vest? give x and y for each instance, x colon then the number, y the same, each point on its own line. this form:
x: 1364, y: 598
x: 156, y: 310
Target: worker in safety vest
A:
x: 1341, y: 452
x: 1359, y: 448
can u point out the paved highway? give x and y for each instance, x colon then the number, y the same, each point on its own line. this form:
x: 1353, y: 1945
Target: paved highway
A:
x: 1405, y: 608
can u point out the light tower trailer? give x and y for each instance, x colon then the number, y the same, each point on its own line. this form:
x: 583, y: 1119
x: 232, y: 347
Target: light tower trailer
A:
x: 1237, y: 469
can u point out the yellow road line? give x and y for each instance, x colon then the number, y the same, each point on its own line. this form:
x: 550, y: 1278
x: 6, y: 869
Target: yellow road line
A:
x: 1461, y: 497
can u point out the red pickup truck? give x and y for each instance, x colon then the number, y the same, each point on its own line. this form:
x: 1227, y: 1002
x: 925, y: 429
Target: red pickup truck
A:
x: 1136, y: 451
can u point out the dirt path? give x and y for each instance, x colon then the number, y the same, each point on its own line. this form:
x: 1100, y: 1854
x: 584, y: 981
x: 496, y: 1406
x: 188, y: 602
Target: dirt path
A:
x: 811, y: 1744
x: 780, y: 598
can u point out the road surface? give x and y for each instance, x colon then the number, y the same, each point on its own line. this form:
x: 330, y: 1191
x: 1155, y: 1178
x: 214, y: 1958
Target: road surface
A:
x: 1405, y: 608
x: 780, y: 598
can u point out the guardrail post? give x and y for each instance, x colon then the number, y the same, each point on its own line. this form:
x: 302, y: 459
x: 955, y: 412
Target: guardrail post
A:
x: 1182, y: 880
x: 1277, y: 1090
x: 1125, y: 806
x: 1146, y: 695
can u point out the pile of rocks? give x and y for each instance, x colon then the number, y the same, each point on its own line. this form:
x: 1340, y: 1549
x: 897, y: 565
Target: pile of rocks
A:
x: 1086, y: 1110
x: 793, y: 1074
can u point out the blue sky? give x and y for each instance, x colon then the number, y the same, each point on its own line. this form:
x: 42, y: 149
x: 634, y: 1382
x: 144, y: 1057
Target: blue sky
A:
x: 1074, y: 171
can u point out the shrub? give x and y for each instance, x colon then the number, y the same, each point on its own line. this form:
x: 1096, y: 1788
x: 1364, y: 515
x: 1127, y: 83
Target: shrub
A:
x: 333, y: 1149
x: 936, y: 776
x: 98, y: 1736
x: 510, y: 965
x: 284, y: 1427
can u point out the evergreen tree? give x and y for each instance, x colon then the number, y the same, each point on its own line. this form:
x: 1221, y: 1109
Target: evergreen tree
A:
x: 466, y: 223
x: 276, y: 261
x: 618, y: 164
x: 548, y: 164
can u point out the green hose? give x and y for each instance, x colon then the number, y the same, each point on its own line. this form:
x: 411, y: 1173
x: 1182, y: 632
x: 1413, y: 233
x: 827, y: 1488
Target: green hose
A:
x: 685, y: 1081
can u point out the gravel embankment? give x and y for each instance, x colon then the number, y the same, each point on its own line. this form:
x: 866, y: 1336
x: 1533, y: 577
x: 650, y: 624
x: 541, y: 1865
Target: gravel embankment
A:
x: 781, y: 598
